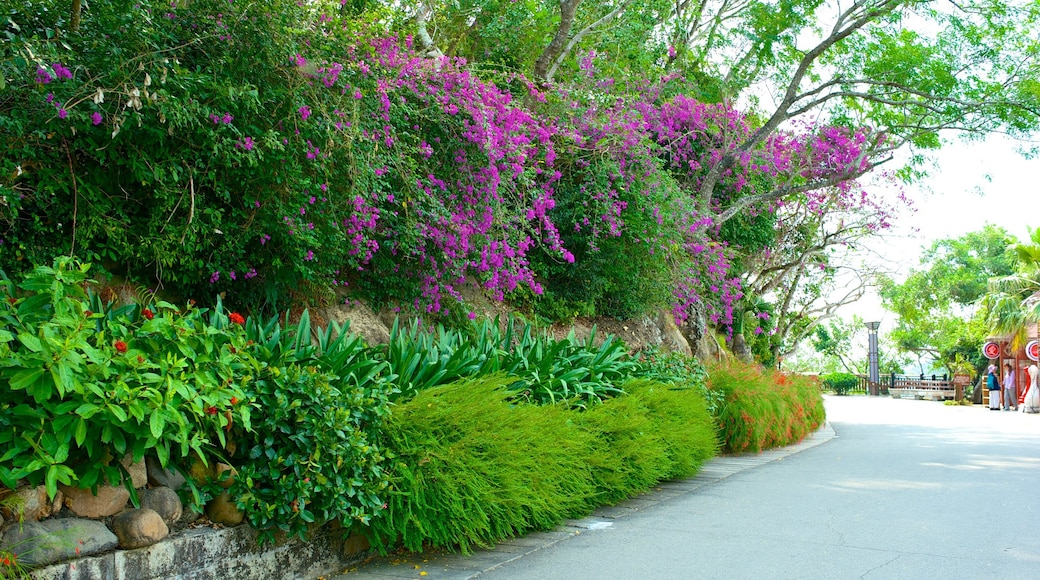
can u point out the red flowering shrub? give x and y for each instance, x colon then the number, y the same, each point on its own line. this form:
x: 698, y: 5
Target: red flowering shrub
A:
x: 764, y: 408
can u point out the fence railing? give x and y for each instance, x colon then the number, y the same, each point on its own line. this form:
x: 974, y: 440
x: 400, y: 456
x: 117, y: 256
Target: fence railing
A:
x: 910, y: 386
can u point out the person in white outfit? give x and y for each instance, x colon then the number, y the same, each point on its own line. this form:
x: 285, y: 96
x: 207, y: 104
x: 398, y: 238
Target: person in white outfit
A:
x: 993, y: 385
x: 1032, y: 398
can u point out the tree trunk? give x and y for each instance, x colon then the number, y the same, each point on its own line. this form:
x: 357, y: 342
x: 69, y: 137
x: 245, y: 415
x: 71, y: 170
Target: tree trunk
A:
x: 568, y: 8
x: 77, y: 7
x: 740, y: 348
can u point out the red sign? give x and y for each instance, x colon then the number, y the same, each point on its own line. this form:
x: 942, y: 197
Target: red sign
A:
x: 1033, y: 350
x: 991, y: 350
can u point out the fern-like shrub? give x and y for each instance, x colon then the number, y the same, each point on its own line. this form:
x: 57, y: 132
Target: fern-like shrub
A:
x: 764, y: 409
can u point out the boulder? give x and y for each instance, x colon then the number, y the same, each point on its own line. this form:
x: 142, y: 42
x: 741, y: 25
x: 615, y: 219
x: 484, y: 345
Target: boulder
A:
x: 109, y: 500
x: 225, y: 475
x: 28, y: 504
x: 163, y: 501
x: 137, y: 470
x: 158, y: 476
x: 139, y: 528
x: 222, y: 510
x: 361, y: 320
x: 56, y: 540
x: 672, y: 339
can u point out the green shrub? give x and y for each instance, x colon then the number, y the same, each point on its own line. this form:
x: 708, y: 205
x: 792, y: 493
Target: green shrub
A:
x: 680, y: 371
x: 546, y: 370
x: 653, y: 433
x: 681, y: 418
x: 764, y: 409
x: 472, y: 468
x: 82, y: 384
x: 840, y: 383
x: 311, y: 455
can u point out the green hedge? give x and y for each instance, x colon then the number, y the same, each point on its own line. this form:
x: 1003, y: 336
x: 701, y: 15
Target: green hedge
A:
x: 840, y: 383
x: 473, y: 466
x: 541, y: 431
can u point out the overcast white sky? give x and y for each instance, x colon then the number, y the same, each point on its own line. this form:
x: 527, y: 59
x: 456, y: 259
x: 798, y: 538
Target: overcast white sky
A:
x: 972, y: 184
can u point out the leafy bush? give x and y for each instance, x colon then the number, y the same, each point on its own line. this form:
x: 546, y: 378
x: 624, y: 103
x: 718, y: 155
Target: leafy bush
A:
x: 83, y: 384
x: 311, y: 454
x: 473, y: 467
x: 840, y: 383
x: 764, y: 408
x: 546, y: 370
x: 680, y: 371
x: 653, y: 433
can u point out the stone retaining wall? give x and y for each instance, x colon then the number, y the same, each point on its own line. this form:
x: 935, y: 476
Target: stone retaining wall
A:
x: 206, y: 553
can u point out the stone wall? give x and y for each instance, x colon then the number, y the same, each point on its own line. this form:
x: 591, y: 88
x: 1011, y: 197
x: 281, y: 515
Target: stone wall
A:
x: 207, y: 553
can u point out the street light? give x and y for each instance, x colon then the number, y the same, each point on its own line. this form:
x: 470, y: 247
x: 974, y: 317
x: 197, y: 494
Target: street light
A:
x: 872, y: 328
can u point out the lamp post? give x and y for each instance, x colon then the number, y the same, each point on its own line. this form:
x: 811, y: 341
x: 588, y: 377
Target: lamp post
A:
x: 872, y: 353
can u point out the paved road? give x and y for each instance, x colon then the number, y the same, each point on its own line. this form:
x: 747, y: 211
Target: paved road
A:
x: 904, y: 489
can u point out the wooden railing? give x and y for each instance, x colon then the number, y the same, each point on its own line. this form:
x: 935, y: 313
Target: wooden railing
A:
x: 937, y: 387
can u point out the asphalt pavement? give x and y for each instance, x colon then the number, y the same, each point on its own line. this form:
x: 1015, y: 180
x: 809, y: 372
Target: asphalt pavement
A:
x: 888, y: 489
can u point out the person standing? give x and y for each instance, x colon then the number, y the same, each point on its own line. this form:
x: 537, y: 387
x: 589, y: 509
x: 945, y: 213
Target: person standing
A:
x: 993, y: 384
x: 1010, y: 389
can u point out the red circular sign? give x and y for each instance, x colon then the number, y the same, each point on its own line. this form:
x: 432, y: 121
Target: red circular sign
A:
x: 1033, y: 350
x: 991, y: 350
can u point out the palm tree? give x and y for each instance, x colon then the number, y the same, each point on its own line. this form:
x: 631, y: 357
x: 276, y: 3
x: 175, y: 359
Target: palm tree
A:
x: 1013, y: 302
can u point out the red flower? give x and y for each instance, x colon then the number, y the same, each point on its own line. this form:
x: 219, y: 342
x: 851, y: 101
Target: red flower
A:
x: 88, y: 313
x: 148, y: 314
x: 120, y: 346
x: 234, y: 400
x: 211, y: 410
x: 236, y: 318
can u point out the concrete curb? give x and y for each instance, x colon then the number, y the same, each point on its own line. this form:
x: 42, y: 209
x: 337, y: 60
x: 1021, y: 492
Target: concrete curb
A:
x: 440, y: 565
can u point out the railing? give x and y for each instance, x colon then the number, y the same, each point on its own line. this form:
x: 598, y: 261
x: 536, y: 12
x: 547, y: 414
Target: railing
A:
x: 938, y: 387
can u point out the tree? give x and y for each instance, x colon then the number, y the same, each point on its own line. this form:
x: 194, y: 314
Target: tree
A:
x: 905, y: 70
x: 1013, y: 301
x: 834, y: 89
x: 817, y: 249
x: 936, y: 304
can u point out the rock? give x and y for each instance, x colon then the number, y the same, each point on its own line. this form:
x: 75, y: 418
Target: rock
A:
x: 139, y: 528
x: 221, y: 510
x: 59, y: 500
x: 672, y: 339
x: 28, y: 504
x: 55, y: 540
x: 200, y: 472
x: 110, y: 499
x: 189, y: 516
x: 361, y: 320
x: 225, y: 481
x: 137, y: 470
x: 158, y: 476
x: 163, y: 501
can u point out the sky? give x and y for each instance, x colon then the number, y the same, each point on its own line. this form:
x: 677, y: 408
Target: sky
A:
x: 972, y: 184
